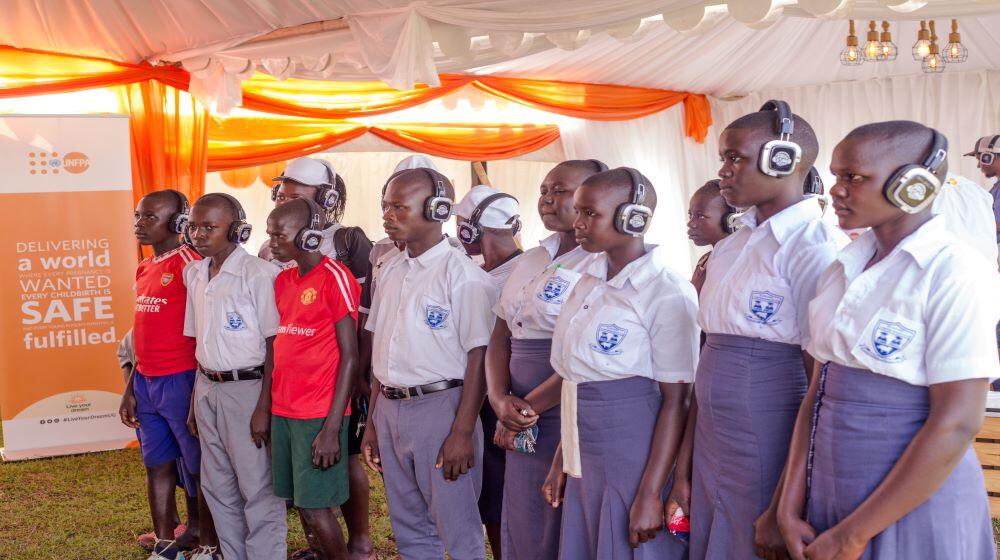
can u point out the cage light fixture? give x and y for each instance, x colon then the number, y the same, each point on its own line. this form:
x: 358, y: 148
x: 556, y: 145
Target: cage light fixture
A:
x: 922, y: 47
x: 852, y: 54
x: 887, y: 49
x: 955, y: 51
x: 872, y: 46
x: 935, y: 62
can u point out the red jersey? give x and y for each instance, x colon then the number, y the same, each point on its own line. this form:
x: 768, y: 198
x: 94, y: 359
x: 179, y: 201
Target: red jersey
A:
x: 160, y: 301
x: 306, y: 353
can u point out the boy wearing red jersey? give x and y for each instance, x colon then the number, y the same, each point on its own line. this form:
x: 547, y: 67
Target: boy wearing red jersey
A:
x: 315, y: 364
x: 158, y: 394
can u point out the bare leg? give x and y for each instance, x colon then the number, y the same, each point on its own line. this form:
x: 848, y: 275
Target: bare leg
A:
x: 493, y: 534
x: 160, y: 483
x: 355, y: 510
x: 326, y: 530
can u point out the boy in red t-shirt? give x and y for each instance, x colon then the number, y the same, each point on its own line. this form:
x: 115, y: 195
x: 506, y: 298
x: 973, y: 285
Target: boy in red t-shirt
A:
x: 158, y: 394
x: 315, y: 364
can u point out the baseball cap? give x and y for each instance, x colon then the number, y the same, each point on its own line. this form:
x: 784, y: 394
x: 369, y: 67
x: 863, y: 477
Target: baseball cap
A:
x: 309, y: 171
x: 415, y: 162
x: 500, y: 214
x: 986, y: 144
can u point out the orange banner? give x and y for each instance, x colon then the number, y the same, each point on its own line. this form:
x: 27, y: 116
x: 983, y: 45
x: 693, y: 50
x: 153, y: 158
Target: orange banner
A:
x: 67, y: 262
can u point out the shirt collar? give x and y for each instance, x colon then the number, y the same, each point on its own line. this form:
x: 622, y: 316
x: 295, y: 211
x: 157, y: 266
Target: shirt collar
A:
x: 430, y: 255
x: 168, y: 254
x: 786, y: 221
x: 922, y: 245
x: 638, y: 272
x: 551, y: 244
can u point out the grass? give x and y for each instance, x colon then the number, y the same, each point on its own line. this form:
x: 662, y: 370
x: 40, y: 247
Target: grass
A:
x: 93, y: 506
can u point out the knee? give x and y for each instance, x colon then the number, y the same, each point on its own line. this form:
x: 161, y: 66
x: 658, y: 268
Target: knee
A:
x: 167, y: 469
x: 313, y: 516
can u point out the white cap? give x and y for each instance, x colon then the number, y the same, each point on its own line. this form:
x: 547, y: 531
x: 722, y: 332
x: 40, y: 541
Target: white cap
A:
x: 502, y: 213
x: 415, y: 162
x: 314, y: 172
x: 986, y: 145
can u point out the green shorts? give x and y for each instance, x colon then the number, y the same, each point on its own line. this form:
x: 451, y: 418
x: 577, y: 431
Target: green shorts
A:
x: 295, y: 478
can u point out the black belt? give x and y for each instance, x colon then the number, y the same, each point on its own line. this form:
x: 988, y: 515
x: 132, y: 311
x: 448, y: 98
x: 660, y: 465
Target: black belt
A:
x: 245, y: 374
x: 407, y: 393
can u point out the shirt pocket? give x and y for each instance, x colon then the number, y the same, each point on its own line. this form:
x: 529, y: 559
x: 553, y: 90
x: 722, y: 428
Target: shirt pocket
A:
x: 769, y: 308
x: 238, y: 317
x: 434, y: 315
x: 891, y: 343
x: 614, y: 341
x: 553, y: 289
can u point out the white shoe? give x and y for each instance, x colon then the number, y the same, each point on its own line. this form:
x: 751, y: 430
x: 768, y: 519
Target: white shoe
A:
x: 204, y: 553
x: 162, y: 545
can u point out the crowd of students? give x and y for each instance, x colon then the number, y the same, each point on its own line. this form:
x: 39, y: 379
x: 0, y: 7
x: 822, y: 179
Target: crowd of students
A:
x: 803, y: 396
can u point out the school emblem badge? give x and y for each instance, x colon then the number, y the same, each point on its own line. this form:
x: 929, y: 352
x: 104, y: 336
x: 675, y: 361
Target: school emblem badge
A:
x: 166, y: 279
x: 554, y: 289
x: 234, y: 322
x: 888, y: 340
x: 308, y: 296
x: 609, y: 338
x: 436, y: 316
x: 763, y: 307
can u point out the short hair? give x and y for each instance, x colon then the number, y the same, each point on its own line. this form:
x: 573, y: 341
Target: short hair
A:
x: 910, y: 140
x: 590, y: 166
x: 218, y: 200
x: 297, y: 209
x: 620, y: 178
x: 423, y: 174
x: 803, y: 135
x: 167, y: 194
x: 711, y: 188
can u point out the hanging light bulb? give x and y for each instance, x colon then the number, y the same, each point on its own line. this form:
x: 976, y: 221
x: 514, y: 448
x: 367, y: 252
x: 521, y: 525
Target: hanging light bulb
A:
x: 955, y: 51
x: 923, y: 45
x: 852, y: 55
x: 887, y: 49
x: 872, y: 46
x: 935, y: 61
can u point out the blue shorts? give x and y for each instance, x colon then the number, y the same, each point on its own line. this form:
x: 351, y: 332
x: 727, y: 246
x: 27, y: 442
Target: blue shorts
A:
x: 162, y: 404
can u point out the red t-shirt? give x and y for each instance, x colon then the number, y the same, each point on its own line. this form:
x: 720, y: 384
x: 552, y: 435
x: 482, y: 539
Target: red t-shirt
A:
x: 306, y: 354
x: 160, y: 301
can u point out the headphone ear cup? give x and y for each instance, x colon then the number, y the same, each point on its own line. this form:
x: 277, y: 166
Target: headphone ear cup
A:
x: 632, y: 219
x: 437, y: 209
x: 779, y: 158
x: 309, y: 240
x: 178, y: 223
x: 327, y: 197
x: 239, y: 232
x: 469, y: 233
x: 911, y: 188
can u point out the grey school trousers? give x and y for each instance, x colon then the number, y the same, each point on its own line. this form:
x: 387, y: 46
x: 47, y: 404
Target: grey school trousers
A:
x: 235, y: 475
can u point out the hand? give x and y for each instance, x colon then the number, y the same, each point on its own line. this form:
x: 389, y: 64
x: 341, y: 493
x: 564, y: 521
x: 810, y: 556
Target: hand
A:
x: 797, y: 534
x: 554, y: 485
x: 645, y: 518
x: 836, y: 544
x: 679, y: 497
x: 369, y: 448
x: 192, y: 423
x: 514, y: 413
x: 362, y: 389
x: 127, y: 410
x: 326, y: 448
x: 260, y: 427
x: 503, y: 438
x: 456, y: 456
x: 767, y: 540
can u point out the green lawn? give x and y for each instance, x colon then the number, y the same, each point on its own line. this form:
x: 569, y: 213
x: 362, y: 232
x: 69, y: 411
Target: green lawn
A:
x: 93, y: 506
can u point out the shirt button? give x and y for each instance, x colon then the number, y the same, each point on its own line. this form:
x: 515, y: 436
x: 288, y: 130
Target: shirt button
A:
x: 586, y: 307
x: 519, y: 324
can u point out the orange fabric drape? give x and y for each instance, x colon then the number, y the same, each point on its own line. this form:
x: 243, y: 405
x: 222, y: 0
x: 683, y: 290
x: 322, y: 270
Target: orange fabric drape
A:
x: 338, y: 100
x: 25, y: 72
x: 224, y: 155
x: 471, y: 142
x: 169, y: 139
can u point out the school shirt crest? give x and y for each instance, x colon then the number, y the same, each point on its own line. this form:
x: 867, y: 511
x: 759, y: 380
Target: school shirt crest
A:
x: 764, y: 306
x: 554, y: 289
x: 435, y: 316
x: 888, y: 339
x: 609, y: 338
x: 234, y: 322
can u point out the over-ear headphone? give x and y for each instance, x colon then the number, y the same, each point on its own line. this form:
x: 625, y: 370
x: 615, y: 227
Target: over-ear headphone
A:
x: 471, y: 231
x: 310, y: 237
x: 913, y: 187
x: 437, y: 208
x: 178, y: 221
x: 633, y: 217
x: 813, y: 183
x: 326, y: 195
x: 778, y: 158
x: 239, y: 229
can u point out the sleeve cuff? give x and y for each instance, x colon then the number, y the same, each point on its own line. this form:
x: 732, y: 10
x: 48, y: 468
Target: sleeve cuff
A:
x: 468, y: 345
x: 962, y: 369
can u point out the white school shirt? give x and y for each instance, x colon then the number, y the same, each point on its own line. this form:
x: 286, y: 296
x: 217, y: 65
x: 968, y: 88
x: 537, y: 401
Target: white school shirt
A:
x: 759, y: 280
x: 501, y: 274
x: 537, y: 289
x: 640, y: 323
x: 428, y: 313
x: 969, y: 212
x: 925, y: 314
x: 231, y: 314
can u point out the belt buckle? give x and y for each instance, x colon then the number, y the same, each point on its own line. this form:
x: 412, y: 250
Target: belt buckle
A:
x: 218, y: 376
x: 406, y: 393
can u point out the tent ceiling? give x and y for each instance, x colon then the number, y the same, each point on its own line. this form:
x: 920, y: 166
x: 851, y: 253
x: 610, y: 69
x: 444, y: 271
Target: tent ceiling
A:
x: 747, y: 45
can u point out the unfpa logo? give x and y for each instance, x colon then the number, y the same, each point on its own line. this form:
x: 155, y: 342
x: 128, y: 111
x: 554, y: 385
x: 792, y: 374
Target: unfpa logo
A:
x: 44, y: 163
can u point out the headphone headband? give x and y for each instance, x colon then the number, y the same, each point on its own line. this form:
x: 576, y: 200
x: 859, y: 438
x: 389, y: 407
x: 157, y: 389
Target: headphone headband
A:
x: 235, y: 204
x: 182, y: 201
x: 477, y: 213
x: 938, y: 154
x: 315, y: 214
x: 784, y: 124
x: 638, y: 186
